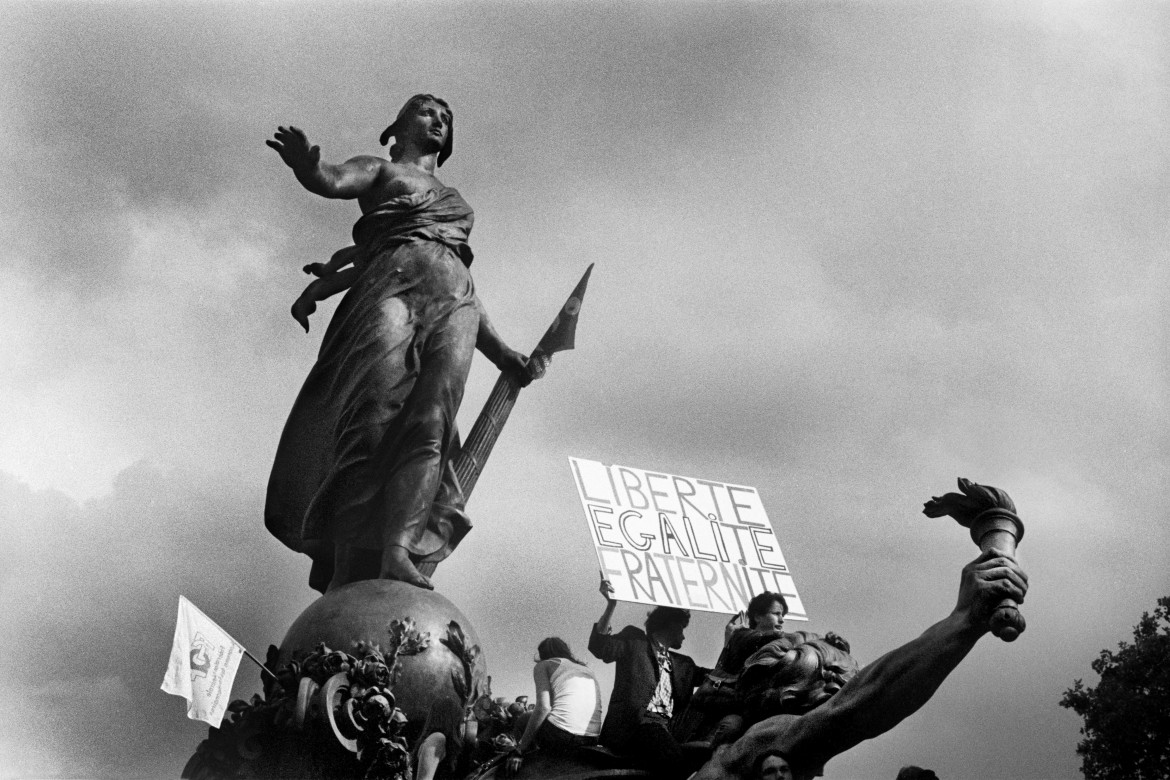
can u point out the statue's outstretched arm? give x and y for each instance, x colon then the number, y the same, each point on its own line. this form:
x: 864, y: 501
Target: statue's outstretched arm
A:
x: 896, y: 685
x: 886, y: 691
x: 348, y: 180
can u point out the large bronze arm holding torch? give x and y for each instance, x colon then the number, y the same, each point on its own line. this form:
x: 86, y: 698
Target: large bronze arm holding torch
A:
x: 991, y: 516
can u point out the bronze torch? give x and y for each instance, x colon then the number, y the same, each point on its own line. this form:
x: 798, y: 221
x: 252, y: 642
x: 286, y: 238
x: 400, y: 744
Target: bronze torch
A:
x: 991, y: 516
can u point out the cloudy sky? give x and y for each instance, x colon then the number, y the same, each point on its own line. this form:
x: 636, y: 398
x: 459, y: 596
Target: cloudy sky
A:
x: 845, y: 253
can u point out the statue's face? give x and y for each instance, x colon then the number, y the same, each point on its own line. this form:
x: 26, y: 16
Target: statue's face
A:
x: 819, y: 671
x: 427, y: 123
x: 794, y: 674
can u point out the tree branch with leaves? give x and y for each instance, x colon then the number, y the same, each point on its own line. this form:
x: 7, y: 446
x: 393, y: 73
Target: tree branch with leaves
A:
x: 1127, y: 716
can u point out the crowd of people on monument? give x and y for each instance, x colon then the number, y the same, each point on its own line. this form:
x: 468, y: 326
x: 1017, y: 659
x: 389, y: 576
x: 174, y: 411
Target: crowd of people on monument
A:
x: 666, y: 714
x: 363, y: 484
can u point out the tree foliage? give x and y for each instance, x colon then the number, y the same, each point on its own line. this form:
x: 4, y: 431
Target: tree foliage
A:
x: 1127, y: 716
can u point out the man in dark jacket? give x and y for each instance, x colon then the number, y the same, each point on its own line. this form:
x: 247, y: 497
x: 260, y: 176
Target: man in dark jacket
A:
x: 652, y: 685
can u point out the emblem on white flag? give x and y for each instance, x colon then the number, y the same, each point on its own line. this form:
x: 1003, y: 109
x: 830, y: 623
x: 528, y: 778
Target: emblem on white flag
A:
x: 203, y: 664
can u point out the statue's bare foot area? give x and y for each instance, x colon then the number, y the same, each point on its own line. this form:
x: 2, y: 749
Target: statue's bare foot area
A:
x: 396, y: 565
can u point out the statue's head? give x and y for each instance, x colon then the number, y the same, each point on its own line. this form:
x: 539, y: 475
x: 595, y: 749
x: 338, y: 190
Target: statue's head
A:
x: 794, y: 674
x: 412, y: 104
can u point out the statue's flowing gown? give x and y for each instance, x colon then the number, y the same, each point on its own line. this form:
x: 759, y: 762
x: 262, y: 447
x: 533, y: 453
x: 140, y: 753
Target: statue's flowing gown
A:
x: 366, y: 449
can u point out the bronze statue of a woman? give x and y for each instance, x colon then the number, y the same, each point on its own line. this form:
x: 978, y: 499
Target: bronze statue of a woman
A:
x: 362, y: 480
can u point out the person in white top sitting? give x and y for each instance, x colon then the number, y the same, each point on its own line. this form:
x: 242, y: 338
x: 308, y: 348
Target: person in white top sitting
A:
x: 568, y: 702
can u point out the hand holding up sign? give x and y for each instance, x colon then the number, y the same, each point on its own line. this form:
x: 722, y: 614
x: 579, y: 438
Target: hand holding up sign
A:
x: 606, y: 589
x: 738, y: 620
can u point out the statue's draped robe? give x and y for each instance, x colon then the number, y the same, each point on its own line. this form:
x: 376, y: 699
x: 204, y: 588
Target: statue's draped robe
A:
x: 364, y: 459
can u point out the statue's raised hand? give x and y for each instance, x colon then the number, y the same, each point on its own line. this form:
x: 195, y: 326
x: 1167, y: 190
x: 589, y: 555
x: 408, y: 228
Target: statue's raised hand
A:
x: 292, y: 145
x: 987, y: 581
x: 991, y: 516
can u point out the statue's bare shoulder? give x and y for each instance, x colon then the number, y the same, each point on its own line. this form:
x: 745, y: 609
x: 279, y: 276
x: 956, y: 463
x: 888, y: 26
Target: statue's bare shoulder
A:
x: 391, y: 180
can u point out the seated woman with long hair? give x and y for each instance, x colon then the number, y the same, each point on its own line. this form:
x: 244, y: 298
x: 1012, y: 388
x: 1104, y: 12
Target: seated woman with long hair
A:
x: 441, y: 752
x: 568, y: 701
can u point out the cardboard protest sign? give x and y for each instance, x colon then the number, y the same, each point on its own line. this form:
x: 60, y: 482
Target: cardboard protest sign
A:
x: 682, y: 542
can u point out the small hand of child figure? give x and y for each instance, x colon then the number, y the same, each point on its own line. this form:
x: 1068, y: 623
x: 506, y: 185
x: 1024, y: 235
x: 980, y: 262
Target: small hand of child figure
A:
x: 301, y: 309
x: 316, y: 269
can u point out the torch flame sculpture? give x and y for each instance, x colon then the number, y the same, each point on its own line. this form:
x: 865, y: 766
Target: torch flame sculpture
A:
x: 991, y: 516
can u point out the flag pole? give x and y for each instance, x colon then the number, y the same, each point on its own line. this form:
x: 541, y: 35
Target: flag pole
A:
x: 248, y: 653
x: 560, y: 336
x: 469, y: 461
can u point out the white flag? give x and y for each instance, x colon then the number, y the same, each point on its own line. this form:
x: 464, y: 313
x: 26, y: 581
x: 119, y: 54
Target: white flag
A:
x: 204, y: 660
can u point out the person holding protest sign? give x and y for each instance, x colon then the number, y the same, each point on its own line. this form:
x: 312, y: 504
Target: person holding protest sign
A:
x: 652, y: 685
x: 822, y: 706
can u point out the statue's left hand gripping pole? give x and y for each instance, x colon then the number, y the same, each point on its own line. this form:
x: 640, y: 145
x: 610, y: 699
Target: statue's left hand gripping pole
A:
x: 560, y: 336
x: 990, y: 514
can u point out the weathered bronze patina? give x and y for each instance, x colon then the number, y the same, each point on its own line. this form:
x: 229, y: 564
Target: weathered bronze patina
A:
x: 367, y: 447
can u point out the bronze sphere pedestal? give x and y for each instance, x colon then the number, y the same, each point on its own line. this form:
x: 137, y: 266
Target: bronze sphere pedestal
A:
x: 358, y: 678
